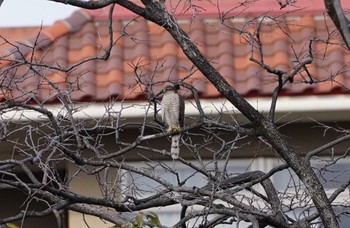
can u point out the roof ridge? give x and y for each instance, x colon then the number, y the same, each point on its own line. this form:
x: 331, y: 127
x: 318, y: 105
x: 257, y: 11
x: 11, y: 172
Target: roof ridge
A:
x: 216, y: 8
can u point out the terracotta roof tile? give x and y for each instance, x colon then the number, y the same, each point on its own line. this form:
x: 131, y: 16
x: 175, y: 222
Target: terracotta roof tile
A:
x: 157, y: 57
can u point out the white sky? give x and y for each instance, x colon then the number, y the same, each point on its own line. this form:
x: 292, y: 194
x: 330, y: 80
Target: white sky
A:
x: 32, y: 12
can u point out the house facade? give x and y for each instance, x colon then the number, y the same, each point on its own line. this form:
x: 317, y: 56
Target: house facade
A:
x: 69, y: 57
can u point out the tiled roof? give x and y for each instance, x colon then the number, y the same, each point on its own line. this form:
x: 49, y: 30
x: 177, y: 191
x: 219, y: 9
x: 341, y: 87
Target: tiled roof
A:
x: 85, y: 34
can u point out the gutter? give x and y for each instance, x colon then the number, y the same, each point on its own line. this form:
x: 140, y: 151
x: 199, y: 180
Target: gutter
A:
x: 301, y: 108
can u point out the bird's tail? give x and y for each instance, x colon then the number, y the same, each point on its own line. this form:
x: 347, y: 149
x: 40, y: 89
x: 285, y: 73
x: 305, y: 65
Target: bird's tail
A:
x: 175, y: 146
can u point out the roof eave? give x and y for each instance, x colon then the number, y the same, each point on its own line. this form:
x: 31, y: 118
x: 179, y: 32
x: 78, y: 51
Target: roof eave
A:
x: 300, y: 109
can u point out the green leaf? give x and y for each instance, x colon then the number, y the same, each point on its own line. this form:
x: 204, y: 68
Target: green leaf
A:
x: 11, y: 225
x: 153, y: 219
x: 139, y: 220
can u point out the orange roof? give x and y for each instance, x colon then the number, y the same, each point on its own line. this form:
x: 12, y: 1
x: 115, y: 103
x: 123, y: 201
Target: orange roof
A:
x: 158, y: 58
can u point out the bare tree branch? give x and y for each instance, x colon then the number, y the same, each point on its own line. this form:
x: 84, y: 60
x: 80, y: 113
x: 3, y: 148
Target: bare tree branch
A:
x: 335, y: 11
x: 129, y: 157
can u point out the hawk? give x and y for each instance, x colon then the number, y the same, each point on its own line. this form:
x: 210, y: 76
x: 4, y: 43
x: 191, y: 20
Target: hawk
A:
x: 173, y: 114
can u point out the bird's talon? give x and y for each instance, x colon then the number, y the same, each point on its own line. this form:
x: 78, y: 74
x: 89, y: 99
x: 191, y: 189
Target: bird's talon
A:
x: 173, y: 130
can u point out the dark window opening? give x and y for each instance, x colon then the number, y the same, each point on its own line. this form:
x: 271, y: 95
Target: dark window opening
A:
x: 13, y: 201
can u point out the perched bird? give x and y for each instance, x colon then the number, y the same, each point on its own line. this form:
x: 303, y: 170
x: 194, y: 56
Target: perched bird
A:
x: 173, y: 114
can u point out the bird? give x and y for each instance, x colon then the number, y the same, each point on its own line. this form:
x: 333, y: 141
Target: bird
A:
x: 173, y: 115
